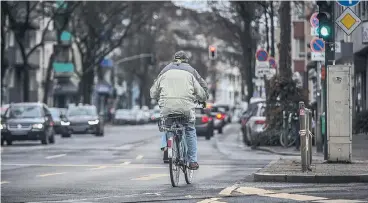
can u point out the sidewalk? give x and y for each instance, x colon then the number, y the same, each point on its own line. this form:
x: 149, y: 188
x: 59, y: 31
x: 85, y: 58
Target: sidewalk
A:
x: 360, y: 149
x: 289, y: 170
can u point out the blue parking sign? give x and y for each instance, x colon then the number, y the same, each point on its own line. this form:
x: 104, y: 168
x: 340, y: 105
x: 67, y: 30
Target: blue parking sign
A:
x: 348, y: 3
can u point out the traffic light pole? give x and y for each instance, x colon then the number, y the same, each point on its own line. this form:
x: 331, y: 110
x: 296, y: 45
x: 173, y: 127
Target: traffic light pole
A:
x: 329, y: 60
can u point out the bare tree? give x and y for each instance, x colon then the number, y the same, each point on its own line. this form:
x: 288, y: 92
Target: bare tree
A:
x: 24, y: 19
x: 237, y: 19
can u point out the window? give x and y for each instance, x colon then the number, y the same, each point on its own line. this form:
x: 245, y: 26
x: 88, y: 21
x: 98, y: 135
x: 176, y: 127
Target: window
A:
x: 301, y: 45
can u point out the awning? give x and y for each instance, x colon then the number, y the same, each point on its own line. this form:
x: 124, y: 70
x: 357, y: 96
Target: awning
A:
x: 65, y: 87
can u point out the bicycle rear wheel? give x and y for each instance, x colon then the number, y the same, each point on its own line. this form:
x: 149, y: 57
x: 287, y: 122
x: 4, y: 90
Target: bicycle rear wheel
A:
x: 188, y: 174
x: 174, y: 162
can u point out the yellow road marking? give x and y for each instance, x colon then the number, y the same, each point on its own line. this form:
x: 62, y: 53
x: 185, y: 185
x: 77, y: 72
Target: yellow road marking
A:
x: 227, y: 191
x: 4, y: 182
x: 295, y: 197
x: 253, y: 191
x: 139, y: 157
x: 50, y: 174
x: 100, y: 167
x: 338, y: 201
x: 151, y: 177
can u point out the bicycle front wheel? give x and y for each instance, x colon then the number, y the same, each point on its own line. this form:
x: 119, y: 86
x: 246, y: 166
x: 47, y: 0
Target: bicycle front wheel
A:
x: 174, y: 162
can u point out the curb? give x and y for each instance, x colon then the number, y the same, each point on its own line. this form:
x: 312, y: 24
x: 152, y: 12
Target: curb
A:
x: 267, y: 177
x: 266, y: 149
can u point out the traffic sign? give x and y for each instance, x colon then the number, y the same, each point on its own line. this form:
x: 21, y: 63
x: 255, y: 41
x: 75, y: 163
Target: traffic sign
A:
x: 317, y: 45
x: 318, y: 56
x: 348, y: 21
x: 261, y: 55
x: 348, y: 3
x: 261, y: 72
x: 314, y: 20
x: 272, y: 62
x: 314, y: 31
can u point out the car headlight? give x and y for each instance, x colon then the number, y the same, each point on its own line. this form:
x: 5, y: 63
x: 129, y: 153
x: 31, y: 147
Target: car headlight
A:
x: 93, y: 122
x: 37, y: 126
x: 2, y: 126
x: 64, y: 123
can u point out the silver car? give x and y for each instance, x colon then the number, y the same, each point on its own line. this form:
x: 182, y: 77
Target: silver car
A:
x: 256, y: 124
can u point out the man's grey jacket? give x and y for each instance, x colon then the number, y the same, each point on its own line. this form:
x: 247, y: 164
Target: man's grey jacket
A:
x: 177, y: 87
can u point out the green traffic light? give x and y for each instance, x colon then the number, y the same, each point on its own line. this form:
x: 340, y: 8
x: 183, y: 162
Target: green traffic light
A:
x: 324, y: 31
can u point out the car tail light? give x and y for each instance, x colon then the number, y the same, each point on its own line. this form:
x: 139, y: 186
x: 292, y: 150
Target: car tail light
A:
x: 220, y: 116
x: 260, y: 122
x: 205, y: 119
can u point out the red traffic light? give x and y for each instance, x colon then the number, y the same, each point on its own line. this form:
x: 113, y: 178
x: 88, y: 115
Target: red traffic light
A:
x: 212, y: 48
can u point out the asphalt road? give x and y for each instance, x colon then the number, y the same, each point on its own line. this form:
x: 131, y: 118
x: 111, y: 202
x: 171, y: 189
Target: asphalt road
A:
x: 126, y: 166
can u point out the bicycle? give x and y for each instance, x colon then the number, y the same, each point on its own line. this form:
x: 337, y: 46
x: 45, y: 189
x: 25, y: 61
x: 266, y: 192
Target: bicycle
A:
x: 177, y: 147
x: 289, y: 133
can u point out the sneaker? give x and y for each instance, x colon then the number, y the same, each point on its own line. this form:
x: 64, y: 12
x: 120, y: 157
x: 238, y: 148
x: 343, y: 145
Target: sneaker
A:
x: 193, y: 166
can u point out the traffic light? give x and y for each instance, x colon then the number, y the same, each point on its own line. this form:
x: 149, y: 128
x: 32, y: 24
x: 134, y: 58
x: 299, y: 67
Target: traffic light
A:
x: 212, y: 52
x: 325, y: 29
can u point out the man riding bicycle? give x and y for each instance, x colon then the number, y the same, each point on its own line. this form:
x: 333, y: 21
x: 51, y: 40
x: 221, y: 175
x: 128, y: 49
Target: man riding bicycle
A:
x: 177, y: 88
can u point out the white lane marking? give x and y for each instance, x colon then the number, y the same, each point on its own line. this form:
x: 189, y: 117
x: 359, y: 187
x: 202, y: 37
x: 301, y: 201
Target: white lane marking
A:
x: 50, y: 174
x: 125, y: 163
x: 338, y: 201
x: 4, y: 182
x: 295, y: 197
x: 151, y: 177
x: 150, y: 166
x: 227, y: 191
x: 55, y: 156
x: 100, y: 167
x: 139, y: 157
x: 211, y: 200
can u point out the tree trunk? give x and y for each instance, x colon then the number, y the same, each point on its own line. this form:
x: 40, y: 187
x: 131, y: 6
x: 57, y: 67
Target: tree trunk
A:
x: 272, y: 30
x: 3, y: 65
x: 267, y: 30
x: 48, y: 79
x: 285, y: 46
x: 25, y: 83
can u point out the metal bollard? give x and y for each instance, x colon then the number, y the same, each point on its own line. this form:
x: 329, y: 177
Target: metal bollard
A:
x: 310, y: 140
x: 303, y: 135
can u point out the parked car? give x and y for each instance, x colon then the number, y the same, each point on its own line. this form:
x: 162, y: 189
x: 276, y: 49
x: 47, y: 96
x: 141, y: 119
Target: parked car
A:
x: 256, y: 123
x: 4, y: 107
x: 204, y: 123
x: 85, y: 119
x: 141, y: 117
x: 27, y: 121
x: 123, y: 116
x: 218, y: 116
x: 155, y: 115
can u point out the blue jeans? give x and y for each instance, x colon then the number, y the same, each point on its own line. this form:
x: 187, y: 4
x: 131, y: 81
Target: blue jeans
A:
x: 191, y: 140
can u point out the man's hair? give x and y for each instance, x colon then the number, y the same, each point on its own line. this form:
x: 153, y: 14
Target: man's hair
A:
x: 181, y: 56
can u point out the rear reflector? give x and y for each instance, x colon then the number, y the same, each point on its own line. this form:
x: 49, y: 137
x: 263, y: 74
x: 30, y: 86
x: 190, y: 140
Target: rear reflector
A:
x: 205, y: 119
x: 169, y: 142
x: 260, y: 122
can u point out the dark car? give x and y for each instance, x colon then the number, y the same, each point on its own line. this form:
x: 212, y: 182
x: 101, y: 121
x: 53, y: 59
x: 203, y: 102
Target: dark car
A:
x: 61, y: 124
x: 27, y: 121
x: 227, y: 111
x: 204, y: 123
x: 218, y: 116
x: 84, y: 119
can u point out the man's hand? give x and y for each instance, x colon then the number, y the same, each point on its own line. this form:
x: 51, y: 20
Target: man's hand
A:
x: 203, y: 104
